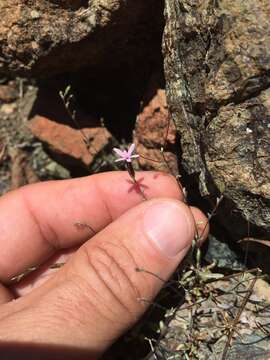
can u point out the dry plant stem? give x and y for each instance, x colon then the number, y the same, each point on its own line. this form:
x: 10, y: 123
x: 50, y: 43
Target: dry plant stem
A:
x: 167, y: 284
x: 199, y: 302
x: 156, y: 305
x: 152, y: 347
x: 251, y: 271
x: 198, y: 236
x: 257, y: 341
x: 66, y: 98
x: 132, y: 174
x: 247, y: 247
x: 3, y: 152
x: 57, y: 265
x: 263, y: 330
x: 30, y: 270
x: 151, y: 273
x: 236, y: 320
x: 165, y: 139
x: 213, y: 213
x: 165, y: 161
x: 183, y: 190
x: 178, y: 177
x: 80, y: 225
x: 19, y: 277
x: 146, y: 158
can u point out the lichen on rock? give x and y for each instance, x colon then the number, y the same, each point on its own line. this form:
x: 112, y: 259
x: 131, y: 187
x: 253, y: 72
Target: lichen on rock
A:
x: 217, y: 67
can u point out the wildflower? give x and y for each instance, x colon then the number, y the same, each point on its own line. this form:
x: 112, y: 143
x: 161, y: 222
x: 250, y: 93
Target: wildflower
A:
x: 126, y: 155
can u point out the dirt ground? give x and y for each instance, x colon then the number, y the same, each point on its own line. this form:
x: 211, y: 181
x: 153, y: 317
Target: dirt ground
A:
x: 22, y: 157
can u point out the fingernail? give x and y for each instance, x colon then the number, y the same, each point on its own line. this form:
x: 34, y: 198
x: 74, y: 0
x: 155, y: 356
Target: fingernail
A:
x: 169, y: 227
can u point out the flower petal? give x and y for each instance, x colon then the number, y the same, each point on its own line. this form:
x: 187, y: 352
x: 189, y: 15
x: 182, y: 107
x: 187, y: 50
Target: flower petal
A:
x: 119, y: 152
x: 131, y: 149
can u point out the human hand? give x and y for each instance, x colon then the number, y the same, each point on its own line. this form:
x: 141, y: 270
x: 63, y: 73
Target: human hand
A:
x: 77, y: 311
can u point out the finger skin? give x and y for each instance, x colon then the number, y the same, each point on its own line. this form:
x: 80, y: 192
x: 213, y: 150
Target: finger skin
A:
x: 5, y: 295
x: 37, y: 278
x: 96, y: 296
x: 38, y: 220
x: 202, y: 224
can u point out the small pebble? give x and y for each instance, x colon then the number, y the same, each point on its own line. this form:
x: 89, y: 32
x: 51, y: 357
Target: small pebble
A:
x: 35, y: 14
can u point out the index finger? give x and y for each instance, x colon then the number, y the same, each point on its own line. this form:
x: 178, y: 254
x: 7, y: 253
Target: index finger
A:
x: 38, y: 220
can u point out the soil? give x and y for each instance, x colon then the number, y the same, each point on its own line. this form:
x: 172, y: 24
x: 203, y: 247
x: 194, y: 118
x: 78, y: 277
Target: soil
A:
x: 23, y: 159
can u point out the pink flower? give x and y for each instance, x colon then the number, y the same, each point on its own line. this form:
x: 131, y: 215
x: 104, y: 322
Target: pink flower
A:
x: 126, y: 155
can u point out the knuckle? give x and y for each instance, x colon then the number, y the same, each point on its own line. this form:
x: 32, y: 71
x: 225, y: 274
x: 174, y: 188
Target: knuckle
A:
x: 109, y: 270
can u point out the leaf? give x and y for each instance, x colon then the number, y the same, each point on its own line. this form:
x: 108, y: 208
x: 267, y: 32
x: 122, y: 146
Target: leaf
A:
x: 67, y: 90
x: 210, y: 276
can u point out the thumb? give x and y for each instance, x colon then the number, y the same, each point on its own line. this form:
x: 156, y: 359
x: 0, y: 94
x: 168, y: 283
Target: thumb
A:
x: 95, y: 297
x: 103, y: 288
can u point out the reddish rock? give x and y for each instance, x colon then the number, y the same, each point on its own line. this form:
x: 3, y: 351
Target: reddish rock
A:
x: 21, y: 170
x: 155, y: 130
x: 68, y: 143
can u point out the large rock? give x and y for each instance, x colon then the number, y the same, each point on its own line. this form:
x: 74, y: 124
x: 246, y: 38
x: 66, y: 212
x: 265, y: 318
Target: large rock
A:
x: 46, y: 37
x: 217, y: 66
x: 67, y: 144
x: 155, y: 130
